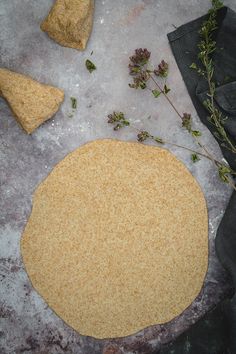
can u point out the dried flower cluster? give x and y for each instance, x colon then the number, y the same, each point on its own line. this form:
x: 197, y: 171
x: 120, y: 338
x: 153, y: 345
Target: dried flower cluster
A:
x: 142, y: 136
x: 138, y: 69
x: 162, y: 69
x: 139, y: 59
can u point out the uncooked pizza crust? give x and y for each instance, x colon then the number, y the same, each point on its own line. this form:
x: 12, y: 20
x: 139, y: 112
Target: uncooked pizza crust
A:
x: 117, y: 239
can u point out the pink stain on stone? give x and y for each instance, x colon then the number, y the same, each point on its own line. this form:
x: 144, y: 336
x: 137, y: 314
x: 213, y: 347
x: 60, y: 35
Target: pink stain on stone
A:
x: 133, y: 14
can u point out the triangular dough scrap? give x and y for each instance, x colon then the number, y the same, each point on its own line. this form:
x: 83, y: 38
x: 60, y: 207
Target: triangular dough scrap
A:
x: 31, y: 102
x: 69, y: 22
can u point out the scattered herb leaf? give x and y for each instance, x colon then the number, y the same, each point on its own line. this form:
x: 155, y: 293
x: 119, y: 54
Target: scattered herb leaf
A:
x: 166, y: 89
x: 73, y: 102
x: 156, y: 93
x: 195, y: 158
x: 90, y: 65
x: 159, y: 140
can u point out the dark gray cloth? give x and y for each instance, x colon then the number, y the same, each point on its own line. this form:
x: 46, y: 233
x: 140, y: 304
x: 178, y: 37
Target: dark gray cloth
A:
x: 184, y: 43
x: 220, y: 336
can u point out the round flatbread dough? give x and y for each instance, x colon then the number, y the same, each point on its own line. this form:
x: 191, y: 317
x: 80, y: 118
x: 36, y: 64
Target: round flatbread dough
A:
x: 117, y: 239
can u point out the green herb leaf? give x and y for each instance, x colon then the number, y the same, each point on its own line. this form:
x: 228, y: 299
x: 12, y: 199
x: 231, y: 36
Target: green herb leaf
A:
x: 196, y: 133
x: 158, y: 140
x: 118, y: 118
x: 90, y: 65
x: 73, y: 102
x: 118, y: 126
x: 166, y: 89
x: 156, y: 93
x: 217, y: 4
x: 187, y: 122
x: 195, y: 158
x: 143, y: 85
x: 193, y: 66
x: 223, y: 173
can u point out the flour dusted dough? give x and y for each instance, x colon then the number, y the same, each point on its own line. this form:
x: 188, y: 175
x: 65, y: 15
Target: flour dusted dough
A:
x: 31, y: 102
x: 70, y: 22
x: 117, y: 239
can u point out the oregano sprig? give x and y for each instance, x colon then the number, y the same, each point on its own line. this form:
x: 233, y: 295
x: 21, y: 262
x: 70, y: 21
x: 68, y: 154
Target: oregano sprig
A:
x: 139, y: 69
x: 145, y: 77
x: 118, y: 120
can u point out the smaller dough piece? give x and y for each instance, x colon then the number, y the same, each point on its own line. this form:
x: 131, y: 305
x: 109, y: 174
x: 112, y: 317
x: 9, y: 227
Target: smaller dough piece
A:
x: 31, y: 102
x: 70, y: 22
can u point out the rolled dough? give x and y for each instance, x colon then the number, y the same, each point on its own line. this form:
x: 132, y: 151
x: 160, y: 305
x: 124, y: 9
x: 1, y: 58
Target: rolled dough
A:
x: 117, y: 239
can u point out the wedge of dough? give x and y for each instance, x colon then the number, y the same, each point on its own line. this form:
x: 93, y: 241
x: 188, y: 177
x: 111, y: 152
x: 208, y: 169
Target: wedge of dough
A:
x: 117, y: 239
x: 31, y: 102
x: 70, y: 22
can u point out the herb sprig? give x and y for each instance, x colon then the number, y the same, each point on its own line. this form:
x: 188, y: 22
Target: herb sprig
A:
x: 145, y: 78
x: 142, y: 76
x: 118, y: 119
x: 207, y: 47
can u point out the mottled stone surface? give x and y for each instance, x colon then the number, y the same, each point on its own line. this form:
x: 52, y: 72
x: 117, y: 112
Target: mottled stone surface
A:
x: 27, y: 325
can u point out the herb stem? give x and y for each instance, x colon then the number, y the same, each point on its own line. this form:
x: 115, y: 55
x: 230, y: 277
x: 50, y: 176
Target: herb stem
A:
x: 139, y: 70
x: 209, y: 156
x: 217, y: 123
x: 166, y: 142
x: 219, y: 164
x: 166, y: 96
x: 119, y: 121
x: 207, y: 46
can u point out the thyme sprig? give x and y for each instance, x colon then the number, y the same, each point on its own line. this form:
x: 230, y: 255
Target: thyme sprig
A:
x: 118, y: 118
x: 207, y: 47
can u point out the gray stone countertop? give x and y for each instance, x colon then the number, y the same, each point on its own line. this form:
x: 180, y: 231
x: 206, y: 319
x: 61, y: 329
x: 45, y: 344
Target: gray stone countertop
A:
x: 27, y: 324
